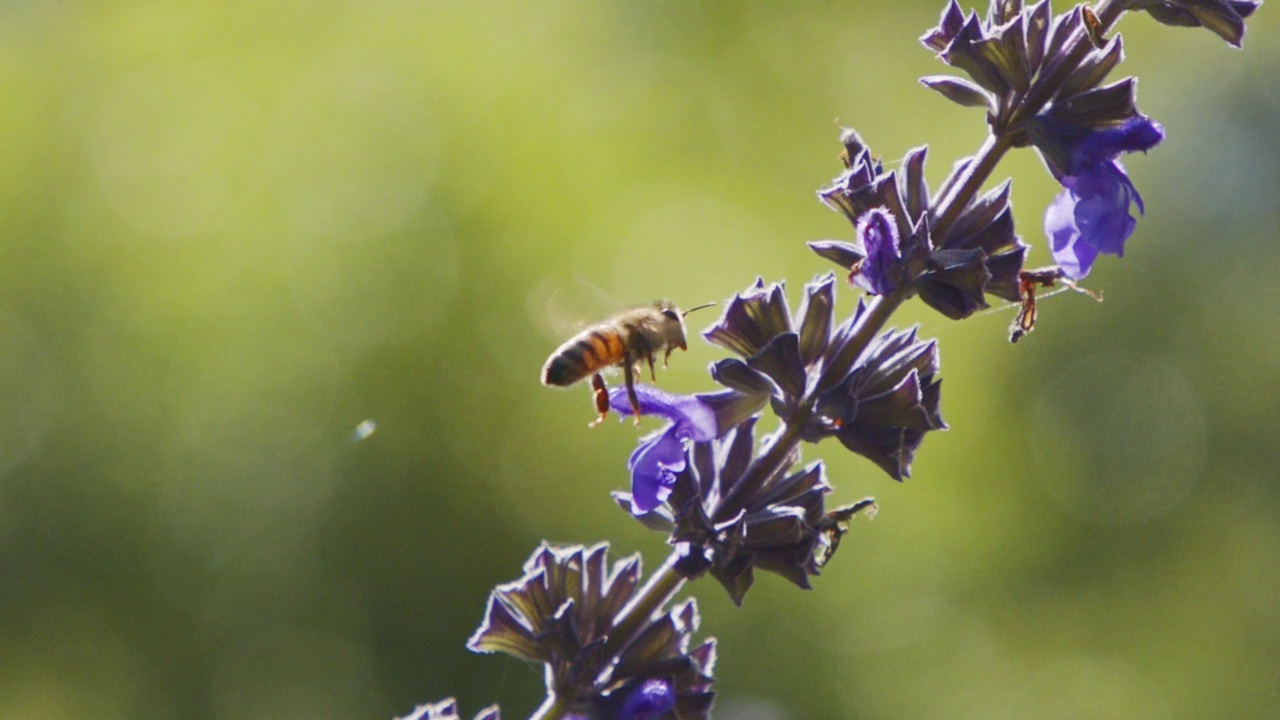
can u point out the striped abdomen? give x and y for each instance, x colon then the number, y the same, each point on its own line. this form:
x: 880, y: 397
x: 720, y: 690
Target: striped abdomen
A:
x: 587, y: 352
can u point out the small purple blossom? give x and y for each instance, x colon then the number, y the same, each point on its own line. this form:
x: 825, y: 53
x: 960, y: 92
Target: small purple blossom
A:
x: 660, y: 455
x: 651, y: 700
x: 879, y: 236
x: 1091, y: 214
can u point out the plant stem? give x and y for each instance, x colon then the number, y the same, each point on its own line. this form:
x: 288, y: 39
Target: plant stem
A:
x: 762, y: 467
x: 553, y: 708
x: 665, y: 582
x: 973, y: 175
x: 662, y: 585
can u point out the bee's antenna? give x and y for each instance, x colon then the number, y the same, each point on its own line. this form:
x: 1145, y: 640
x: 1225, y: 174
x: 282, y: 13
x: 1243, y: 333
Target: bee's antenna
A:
x: 703, y: 305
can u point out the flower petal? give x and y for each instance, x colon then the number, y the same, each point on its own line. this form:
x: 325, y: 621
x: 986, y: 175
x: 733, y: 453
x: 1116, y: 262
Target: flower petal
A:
x: 693, y: 418
x: 653, y: 466
x: 879, y: 236
x: 651, y: 700
x: 1091, y: 215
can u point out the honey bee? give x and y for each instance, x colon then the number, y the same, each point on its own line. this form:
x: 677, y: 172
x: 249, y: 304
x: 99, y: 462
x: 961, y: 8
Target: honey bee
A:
x: 621, y: 341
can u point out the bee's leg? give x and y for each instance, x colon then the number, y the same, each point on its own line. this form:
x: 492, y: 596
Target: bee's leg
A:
x: 602, y: 398
x: 652, y: 374
x: 629, y: 372
x: 667, y: 357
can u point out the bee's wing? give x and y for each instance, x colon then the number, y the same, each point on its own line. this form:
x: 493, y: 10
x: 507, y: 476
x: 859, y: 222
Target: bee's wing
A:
x: 560, y: 310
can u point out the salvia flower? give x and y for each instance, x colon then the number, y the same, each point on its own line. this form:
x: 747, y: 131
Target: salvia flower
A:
x: 1225, y: 18
x: 1014, y: 51
x: 879, y: 273
x: 447, y: 709
x: 803, y: 356
x: 660, y: 455
x: 884, y: 407
x: 775, y: 356
x: 1091, y: 214
x: 865, y: 185
x: 751, y: 319
x: 725, y: 521
x: 953, y: 272
x: 878, y: 403
x: 561, y: 612
x: 995, y: 51
x: 649, y: 700
x: 891, y: 229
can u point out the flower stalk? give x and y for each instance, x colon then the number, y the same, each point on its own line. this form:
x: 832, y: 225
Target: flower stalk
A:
x: 614, y: 647
x: 963, y: 188
x: 661, y: 587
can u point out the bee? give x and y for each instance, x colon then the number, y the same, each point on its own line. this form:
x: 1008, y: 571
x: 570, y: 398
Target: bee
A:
x: 623, y: 340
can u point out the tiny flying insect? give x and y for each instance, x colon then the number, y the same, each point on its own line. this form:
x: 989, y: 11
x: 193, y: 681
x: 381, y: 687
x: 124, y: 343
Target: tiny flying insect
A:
x: 623, y: 340
x: 1028, y: 281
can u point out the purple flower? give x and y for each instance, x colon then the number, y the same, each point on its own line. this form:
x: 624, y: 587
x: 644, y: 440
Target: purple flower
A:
x: 652, y: 699
x: 1091, y: 214
x: 953, y: 272
x: 728, y: 520
x: 660, y: 455
x: 879, y: 236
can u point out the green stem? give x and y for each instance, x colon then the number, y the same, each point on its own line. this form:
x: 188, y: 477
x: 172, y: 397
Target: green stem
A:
x: 962, y: 191
x: 662, y: 585
x: 553, y: 708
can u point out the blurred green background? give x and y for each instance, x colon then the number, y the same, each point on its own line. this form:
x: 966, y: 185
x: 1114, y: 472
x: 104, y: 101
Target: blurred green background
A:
x: 233, y: 232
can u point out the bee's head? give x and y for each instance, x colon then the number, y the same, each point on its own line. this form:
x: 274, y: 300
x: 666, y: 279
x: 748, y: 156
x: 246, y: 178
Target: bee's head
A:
x: 673, y: 330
